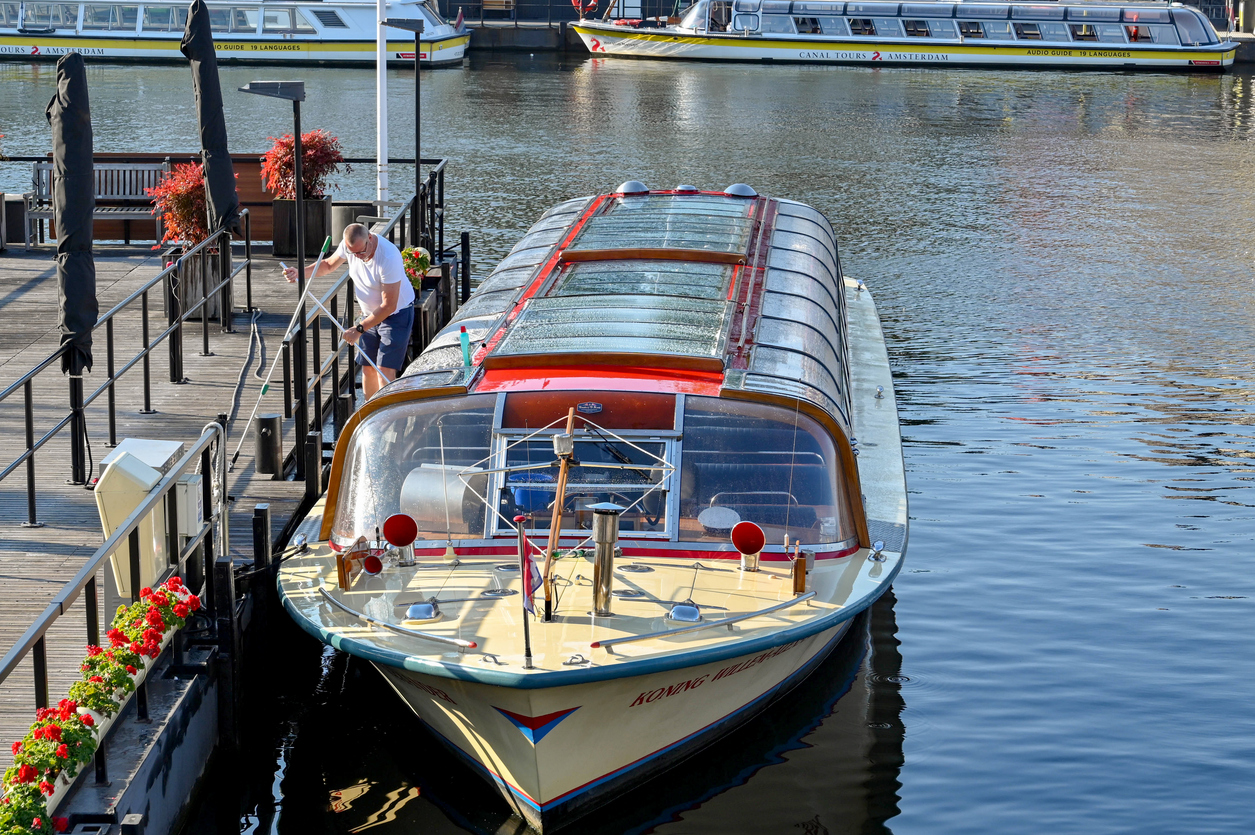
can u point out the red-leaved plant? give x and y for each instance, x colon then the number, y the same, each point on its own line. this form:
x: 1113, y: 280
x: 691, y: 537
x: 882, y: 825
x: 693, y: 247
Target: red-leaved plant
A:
x: 320, y: 158
x: 64, y: 738
x: 180, y: 198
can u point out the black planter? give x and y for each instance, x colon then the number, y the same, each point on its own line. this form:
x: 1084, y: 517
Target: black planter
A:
x: 317, y: 226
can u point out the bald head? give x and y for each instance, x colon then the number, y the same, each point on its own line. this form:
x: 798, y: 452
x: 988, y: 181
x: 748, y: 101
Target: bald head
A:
x: 355, y: 234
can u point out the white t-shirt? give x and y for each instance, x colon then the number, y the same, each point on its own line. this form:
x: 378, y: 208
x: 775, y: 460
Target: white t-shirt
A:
x: 369, y: 277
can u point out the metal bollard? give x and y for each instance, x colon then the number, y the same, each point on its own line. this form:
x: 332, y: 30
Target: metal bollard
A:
x: 268, y: 452
x: 261, y: 536
x: 228, y: 652
x: 605, y: 538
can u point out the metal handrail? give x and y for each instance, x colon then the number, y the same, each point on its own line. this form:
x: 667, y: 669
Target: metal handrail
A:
x: 171, y: 336
x: 87, y: 574
x: 440, y: 639
x: 609, y: 642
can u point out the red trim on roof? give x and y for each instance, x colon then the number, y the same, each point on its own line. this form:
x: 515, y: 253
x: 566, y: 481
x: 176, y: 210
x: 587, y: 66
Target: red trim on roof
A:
x: 576, y: 378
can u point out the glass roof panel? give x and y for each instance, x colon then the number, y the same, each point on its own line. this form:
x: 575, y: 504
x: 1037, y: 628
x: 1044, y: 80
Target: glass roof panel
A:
x: 708, y: 222
x: 659, y: 278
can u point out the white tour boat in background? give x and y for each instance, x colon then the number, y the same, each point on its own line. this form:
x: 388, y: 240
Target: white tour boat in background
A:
x: 647, y: 375
x: 279, y: 33
x: 1087, y: 35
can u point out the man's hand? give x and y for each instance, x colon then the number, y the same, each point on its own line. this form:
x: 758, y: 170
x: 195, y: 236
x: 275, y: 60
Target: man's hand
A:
x: 289, y: 273
x: 351, y: 336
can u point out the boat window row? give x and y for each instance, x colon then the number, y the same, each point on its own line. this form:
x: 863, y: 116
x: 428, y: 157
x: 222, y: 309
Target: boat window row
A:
x: 444, y: 463
x: 1001, y: 30
x: 124, y: 18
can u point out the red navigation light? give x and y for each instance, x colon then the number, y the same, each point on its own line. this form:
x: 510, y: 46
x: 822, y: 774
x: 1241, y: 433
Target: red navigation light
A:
x: 400, y: 530
x: 748, y: 538
x: 372, y: 565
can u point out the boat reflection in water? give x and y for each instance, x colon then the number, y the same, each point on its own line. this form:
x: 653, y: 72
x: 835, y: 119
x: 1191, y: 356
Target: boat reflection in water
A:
x: 823, y: 759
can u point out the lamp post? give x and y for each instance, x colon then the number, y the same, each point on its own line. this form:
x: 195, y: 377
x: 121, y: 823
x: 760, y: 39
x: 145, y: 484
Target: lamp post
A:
x: 294, y: 91
x: 416, y: 26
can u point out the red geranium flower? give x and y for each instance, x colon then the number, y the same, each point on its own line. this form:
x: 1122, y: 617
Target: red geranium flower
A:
x: 47, y: 788
x: 93, y: 650
x: 193, y: 602
x: 26, y: 773
x: 61, y: 824
x: 17, y: 747
x: 180, y: 611
x: 135, y: 647
x: 96, y: 679
x: 154, y: 618
x: 144, y: 592
x: 86, y: 719
x: 63, y: 751
x: 130, y: 669
x: 53, y: 732
x: 116, y: 637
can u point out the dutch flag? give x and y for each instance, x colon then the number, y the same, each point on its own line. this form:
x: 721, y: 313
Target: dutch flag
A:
x: 531, y: 582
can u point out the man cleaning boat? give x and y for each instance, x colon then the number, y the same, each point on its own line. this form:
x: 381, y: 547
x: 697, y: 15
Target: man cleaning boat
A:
x: 383, y: 293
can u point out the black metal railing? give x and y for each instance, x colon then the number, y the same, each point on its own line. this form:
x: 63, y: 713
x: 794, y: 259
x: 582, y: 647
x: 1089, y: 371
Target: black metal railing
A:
x: 191, y: 557
x: 419, y: 219
x: 174, y: 282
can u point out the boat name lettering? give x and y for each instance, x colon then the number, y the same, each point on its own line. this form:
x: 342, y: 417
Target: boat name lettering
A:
x: 434, y: 691
x: 753, y: 662
x: 915, y: 56
x: 833, y: 56
x: 49, y: 50
x: 663, y: 692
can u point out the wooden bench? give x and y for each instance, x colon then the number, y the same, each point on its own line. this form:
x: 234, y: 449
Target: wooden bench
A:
x: 498, y: 6
x: 120, y: 195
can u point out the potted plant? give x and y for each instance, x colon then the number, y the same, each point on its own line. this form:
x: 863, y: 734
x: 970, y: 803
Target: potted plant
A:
x: 180, y: 201
x: 321, y: 157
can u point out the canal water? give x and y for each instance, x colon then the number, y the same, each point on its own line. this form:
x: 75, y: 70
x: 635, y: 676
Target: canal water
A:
x: 1063, y: 264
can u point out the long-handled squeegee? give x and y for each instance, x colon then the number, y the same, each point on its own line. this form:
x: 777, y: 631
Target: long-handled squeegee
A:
x: 265, y: 386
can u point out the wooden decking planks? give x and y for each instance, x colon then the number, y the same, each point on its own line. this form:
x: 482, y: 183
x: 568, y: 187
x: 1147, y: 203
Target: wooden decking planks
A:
x: 35, y: 562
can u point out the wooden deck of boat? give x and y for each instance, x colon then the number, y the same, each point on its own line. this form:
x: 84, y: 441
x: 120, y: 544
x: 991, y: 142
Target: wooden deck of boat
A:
x: 36, y: 562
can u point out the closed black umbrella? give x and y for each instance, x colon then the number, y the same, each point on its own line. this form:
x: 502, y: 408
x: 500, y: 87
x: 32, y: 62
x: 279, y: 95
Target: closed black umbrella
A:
x: 73, y: 202
x: 198, y: 48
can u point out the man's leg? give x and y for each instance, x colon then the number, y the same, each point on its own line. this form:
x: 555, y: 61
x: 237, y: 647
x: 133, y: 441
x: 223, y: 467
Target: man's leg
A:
x: 394, y: 339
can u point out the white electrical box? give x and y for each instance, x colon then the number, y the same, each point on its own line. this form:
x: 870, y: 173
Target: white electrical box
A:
x: 160, y: 455
x: 125, y: 484
x: 189, y: 499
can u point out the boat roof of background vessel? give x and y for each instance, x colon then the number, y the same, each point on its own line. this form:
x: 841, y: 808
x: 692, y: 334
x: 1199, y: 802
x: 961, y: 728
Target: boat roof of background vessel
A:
x: 670, y: 279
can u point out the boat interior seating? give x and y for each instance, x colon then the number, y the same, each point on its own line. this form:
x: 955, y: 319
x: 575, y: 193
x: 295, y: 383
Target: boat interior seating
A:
x: 764, y: 493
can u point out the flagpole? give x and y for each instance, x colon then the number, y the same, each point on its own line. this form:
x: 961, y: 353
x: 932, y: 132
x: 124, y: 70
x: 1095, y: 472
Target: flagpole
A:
x: 523, y: 575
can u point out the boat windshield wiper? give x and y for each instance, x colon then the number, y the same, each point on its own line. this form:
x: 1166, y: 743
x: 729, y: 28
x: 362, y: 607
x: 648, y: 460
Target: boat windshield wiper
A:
x: 617, y: 454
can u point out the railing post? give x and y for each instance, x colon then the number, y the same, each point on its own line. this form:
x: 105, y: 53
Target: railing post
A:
x: 248, y: 258
x: 202, y: 260
x: 313, y: 465
x: 113, y: 402
x: 212, y: 601
x: 31, y: 519
x: 226, y: 296
x: 148, y: 387
x: 132, y: 540
x: 78, y: 450
x: 39, y: 659
x: 93, y: 613
x: 228, y: 652
x: 174, y: 318
x: 465, y: 270
x: 318, y: 369
x: 286, y: 348
x: 261, y: 536
x: 440, y: 202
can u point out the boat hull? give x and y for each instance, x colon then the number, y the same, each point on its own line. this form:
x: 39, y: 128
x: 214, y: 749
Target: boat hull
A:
x: 446, y: 51
x: 655, y: 43
x: 534, y: 745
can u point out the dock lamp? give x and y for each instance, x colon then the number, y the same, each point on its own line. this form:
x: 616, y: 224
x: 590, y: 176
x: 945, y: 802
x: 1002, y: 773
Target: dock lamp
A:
x: 294, y: 91
x: 415, y: 26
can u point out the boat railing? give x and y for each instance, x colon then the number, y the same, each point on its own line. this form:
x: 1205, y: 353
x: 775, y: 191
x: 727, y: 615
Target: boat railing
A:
x: 416, y: 221
x: 207, y: 274
x: 195, y: 561
x: 608, y: 643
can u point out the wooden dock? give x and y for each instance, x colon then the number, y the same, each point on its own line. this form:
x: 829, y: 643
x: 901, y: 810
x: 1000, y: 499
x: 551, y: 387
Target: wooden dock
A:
x: 36, y: 562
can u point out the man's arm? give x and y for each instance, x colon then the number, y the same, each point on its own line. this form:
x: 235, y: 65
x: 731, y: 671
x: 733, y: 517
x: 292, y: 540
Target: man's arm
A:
x: 391, y: 297
x: 329, y: 264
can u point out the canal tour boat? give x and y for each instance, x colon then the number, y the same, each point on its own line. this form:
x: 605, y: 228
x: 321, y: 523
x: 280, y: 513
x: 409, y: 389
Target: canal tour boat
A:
x: 665, y: 424
x: 1087, y: 35
x: 255, y: 33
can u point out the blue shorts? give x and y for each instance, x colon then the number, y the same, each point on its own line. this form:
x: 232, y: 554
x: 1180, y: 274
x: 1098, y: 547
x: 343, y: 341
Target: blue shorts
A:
x: 387, y: 342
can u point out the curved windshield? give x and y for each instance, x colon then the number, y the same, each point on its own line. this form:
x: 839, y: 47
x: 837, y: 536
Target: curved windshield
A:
x: 422, y: 458
x: 775, y: 467
x: 694, y: 16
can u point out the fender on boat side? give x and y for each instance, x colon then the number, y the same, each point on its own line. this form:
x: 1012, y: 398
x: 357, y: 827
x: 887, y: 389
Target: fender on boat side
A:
x: 584, y: 675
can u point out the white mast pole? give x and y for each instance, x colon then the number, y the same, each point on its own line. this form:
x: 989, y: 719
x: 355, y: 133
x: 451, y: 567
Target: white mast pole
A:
x: 381, y: 101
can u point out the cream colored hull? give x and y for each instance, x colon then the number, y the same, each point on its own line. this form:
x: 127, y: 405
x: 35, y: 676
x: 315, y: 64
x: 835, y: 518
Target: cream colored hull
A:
x: 607, y: 39
x: 641, y: 724
x: 108, y: 46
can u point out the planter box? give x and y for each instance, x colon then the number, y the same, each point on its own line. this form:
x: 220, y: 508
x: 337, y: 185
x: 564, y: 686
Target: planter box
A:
x: 342, y: 214
x: 192, y: 286
x: 317, y: 226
